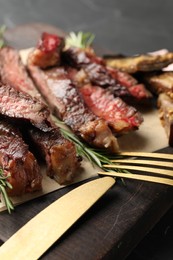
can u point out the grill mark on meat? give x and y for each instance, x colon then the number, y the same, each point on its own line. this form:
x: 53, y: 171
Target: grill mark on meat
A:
x: 59, y: 153
x: 137, y: 91
x: 13, y: 72
x: 80, y: 78
x: 66, y: 103
x: 18, y: 161
x: 95, y: 70
x: 121, y: 117
x: 120, y: 84
x: 19, y: 105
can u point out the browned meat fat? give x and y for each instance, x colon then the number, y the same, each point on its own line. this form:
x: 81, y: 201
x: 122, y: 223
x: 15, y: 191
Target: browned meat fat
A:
x: 165, y: 104
x: 161, y: 82
x: 21, y: 106
x: 18, y: 162
x: 59, y: 153
x: 144, y: 62
x: 65, y: 102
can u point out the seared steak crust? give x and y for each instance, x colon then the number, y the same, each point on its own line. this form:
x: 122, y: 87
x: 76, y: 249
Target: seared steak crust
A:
x: 160, y: 82
x: 48, y: 51
x: 18, y: 162
x: 64, y: 100
x: 145, y: 62
x: 120, y: 84
x: 19, y: 105
x: 165, y: 104
x: 59, y: 153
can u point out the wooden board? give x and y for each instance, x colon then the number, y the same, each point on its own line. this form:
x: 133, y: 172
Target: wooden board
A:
x: 115, y: 224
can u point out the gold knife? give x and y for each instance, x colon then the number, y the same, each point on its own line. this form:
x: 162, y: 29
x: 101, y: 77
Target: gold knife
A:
x: 36, y: 236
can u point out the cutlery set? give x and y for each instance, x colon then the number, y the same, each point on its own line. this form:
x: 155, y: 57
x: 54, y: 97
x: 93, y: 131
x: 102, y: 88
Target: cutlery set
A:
x: 163, y: 168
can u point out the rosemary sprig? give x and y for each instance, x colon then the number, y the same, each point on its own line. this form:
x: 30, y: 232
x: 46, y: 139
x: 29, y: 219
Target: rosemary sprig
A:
x: 2, y: 30
x: 80, y: 39
x: 4, y: 184
x: 97, y: 156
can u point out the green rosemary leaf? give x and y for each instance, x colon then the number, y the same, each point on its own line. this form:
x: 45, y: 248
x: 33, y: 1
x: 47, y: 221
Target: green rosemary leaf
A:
x: 9, y: 185
x: 3, y: 185
x: 80, y: 39
x: 2, y: 30
x: 97, y: 156
x: 93, y: 156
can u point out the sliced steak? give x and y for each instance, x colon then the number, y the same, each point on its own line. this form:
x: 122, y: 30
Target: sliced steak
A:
x: 137, y: 91
x: 121, y: 117
x: 18, y: 105
x: 165, y: 104
x: 58, y: 152
x: 48, y: 51
x: 160, y: 82
x: 120, y: 84
x: 145, y: 62
x: 18, y: 162
x: 93, y: 66
x: 65, y: 102
x: 13, y: 72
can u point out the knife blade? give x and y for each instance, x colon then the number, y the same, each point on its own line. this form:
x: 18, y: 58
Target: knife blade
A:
x: 37, y: 235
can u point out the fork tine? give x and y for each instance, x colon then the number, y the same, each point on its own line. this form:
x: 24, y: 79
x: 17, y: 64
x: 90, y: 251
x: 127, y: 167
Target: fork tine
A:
x: 140, y: 168
x: 152, y: 155
x: 144, y: 162
x: 139, y: 177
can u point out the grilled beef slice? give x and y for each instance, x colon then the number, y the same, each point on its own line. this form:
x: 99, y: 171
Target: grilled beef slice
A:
x: 120, y: 117
x: 119, y: 83
x: 65, y: 102
x: 160, y: 82
x: 13, y: 72
x: 137, y: 91
x: 58, y: 152
x: 17, y: 161
x: 95, y: 71
x: 80, y: 78
x: 48, y: 51
x: 165, y: 104
x: 145, y: 62
x: 18, y: 105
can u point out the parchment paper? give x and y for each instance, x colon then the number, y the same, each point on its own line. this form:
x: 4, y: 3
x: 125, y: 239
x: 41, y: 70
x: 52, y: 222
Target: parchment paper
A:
x: 150, y: 137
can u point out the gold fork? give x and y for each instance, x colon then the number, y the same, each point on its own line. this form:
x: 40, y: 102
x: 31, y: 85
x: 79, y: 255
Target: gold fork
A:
x: 163, y: 168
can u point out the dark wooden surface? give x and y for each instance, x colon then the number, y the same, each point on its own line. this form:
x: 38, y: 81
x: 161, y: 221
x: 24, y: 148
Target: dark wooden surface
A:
x: 114, y: 225
x: 109, y: 230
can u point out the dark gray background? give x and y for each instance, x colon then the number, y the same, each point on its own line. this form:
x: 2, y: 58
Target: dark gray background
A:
x: 132, y: 26
x: 120, y: 26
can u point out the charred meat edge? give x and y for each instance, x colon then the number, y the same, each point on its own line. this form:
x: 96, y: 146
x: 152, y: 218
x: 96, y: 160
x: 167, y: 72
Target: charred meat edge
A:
x: 18, y: 105
x: 18, y: 162
x: 48, y: 51
x: 58, y: 152
x: 165, y: 104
